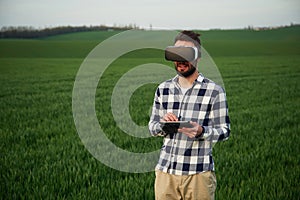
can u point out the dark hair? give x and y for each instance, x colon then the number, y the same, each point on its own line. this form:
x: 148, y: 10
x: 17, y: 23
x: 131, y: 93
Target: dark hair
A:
x: 190, y: 36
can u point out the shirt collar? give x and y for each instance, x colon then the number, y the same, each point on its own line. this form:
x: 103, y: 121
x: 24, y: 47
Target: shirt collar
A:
x: 199, y: 79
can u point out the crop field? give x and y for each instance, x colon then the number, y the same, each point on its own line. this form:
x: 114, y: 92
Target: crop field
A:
x: 42, y: 156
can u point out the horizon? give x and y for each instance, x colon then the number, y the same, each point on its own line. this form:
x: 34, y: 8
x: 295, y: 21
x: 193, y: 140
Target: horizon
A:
x: 131, y: 26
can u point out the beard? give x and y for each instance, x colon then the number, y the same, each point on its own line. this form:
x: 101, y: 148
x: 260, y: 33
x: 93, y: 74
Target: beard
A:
x: 189, y: 72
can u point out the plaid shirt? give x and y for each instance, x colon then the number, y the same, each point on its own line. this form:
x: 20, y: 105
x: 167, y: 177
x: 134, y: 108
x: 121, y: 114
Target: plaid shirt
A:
x: 204, y: 103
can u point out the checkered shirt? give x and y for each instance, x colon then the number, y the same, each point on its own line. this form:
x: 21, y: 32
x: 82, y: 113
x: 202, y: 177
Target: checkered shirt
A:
x: 204, y: 103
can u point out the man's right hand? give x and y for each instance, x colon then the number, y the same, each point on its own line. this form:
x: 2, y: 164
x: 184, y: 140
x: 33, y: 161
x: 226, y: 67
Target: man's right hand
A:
x: 169, y: 117
x: 170, y: 129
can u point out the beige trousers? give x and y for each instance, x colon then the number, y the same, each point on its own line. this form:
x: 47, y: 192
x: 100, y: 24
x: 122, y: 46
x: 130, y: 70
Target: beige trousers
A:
x: 198, y: 186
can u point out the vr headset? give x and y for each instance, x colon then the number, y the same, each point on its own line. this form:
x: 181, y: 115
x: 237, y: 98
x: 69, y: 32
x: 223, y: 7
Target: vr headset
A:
x: 181, y: 53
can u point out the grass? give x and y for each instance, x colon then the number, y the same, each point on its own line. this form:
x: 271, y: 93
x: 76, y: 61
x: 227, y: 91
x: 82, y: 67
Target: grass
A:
x: 264, y: 116
x: 42, y: 156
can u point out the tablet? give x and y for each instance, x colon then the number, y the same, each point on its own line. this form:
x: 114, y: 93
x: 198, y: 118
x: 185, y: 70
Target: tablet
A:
x: 178, y: 124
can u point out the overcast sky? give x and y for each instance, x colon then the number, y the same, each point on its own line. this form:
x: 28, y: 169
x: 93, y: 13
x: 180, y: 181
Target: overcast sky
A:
x: 167, y: 14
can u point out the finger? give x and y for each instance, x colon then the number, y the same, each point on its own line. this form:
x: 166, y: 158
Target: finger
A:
x: 183, y: 129
x: 188, y: 132
x: 166, y: 117
x: 170, y: 117
x: 194, y: 123
x: 189, y: 135
x: 173, y: 117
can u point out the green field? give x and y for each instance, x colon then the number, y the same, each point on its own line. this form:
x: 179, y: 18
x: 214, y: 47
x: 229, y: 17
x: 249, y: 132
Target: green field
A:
x: 42, y: 156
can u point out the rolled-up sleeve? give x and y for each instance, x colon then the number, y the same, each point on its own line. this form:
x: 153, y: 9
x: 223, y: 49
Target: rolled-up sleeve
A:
x: 220, y: 129
x: 154, y: 126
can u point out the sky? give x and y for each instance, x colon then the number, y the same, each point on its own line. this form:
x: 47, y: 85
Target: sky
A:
x: 160, y: 14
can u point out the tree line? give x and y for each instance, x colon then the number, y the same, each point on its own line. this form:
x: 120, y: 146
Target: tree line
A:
x: 30, y: 32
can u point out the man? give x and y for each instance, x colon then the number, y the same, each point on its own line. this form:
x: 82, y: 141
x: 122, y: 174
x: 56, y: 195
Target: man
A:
x: 185, y: 169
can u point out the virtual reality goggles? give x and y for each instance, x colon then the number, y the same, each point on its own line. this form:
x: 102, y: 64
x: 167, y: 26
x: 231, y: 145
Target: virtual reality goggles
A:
x: 181, y: 53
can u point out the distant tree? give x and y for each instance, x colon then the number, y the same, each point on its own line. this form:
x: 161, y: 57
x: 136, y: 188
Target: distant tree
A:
x: 31, y: 32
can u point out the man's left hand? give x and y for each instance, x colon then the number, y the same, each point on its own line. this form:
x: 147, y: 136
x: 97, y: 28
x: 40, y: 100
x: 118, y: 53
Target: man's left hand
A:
x: 196, y: 131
